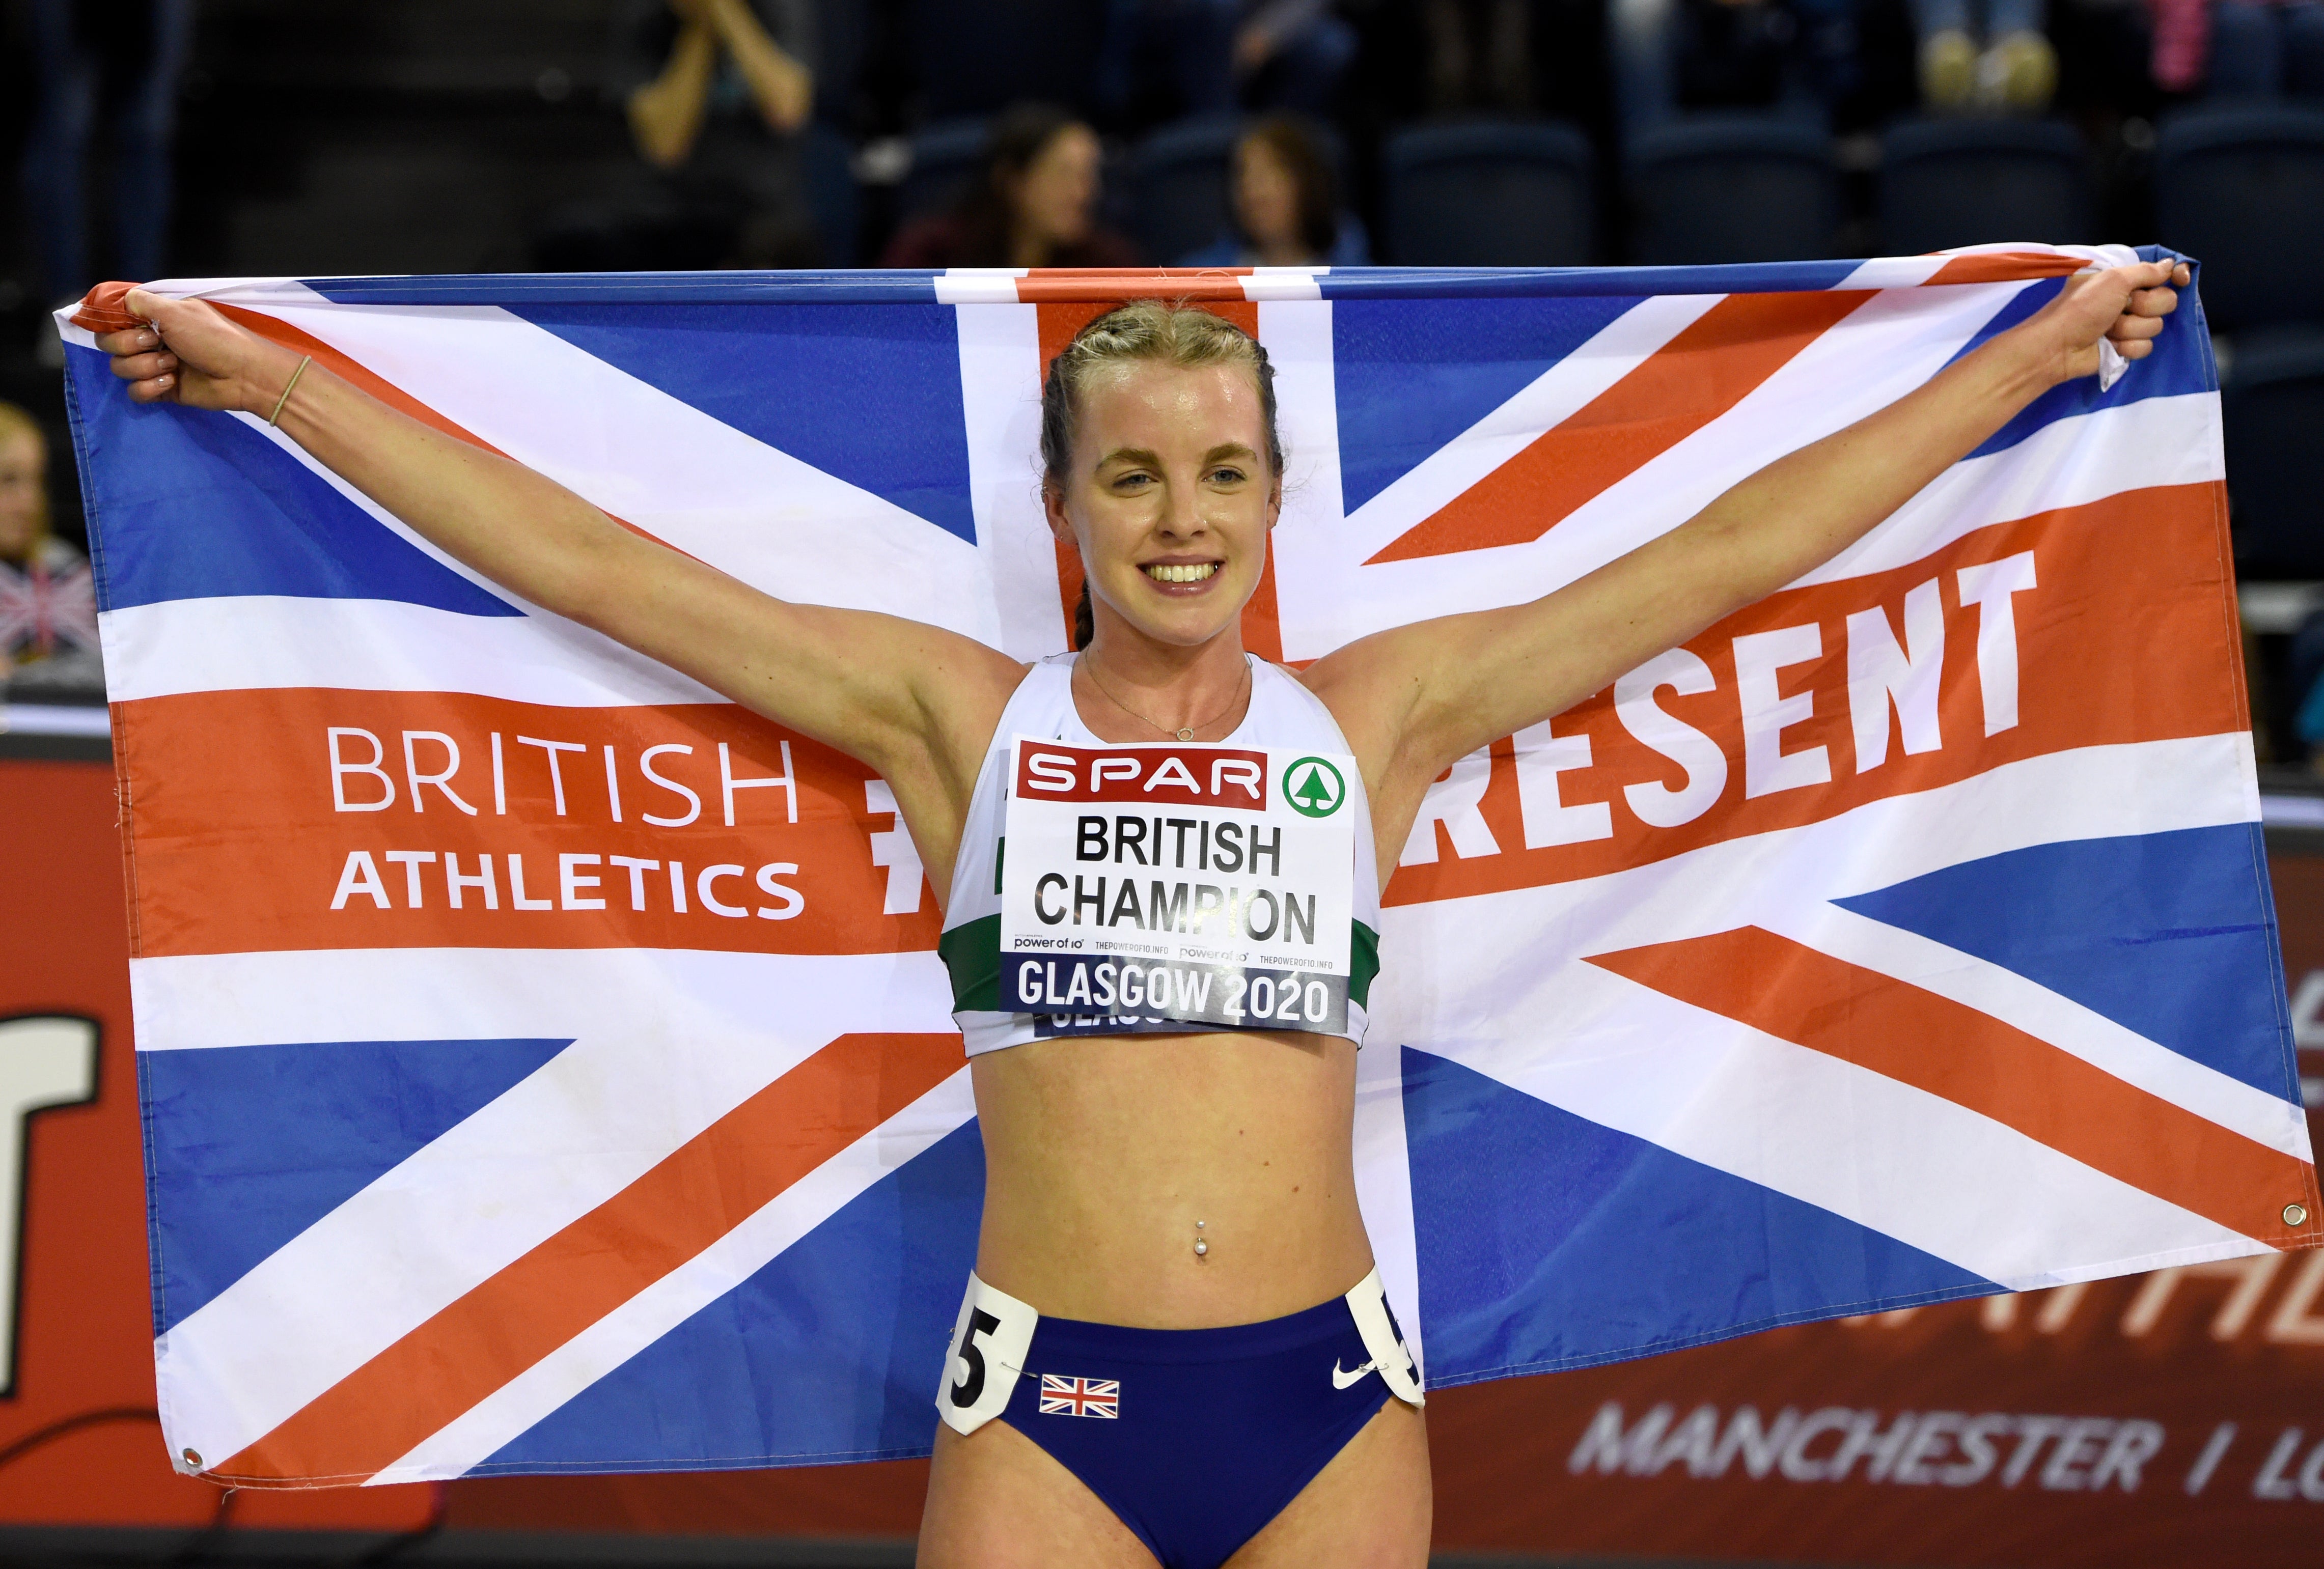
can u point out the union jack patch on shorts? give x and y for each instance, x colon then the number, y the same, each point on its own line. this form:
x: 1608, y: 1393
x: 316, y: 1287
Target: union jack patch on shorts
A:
x: 1080, y: 1397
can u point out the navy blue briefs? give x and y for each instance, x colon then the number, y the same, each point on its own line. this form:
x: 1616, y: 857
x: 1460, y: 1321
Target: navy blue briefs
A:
x: 1197, y: 1438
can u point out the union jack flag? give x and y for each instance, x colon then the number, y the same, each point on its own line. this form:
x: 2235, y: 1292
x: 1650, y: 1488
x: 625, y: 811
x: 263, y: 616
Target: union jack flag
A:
x: 548, y: 1067
x: 41, y: 606
x: 1062, y: 1397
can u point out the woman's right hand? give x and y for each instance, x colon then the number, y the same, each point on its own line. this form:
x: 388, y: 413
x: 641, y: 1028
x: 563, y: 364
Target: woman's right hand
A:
x: 187, y: 351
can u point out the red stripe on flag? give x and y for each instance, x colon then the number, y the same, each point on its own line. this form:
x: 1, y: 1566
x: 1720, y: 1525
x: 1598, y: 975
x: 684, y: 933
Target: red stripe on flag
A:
x: 1108, y: 286
x: 2130, y: 636
x: 2004, y: 267
x: 1263, y: 631
x: 409, y: 1391
x: 244, y: 837
x: 1877, y: 1022
x: 1699, y: 375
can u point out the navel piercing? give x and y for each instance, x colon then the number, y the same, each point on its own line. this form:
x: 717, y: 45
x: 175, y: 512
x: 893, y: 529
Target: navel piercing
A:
x: 1202, y: 1246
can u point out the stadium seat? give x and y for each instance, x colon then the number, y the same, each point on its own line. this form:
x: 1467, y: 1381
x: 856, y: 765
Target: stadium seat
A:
x: 2272, y: 407
x: 944, y: 156
x: 1732, y: 188
x: 975, y: 60
x: 1946, y: 182
x: 1489, y: 194
x: 1178, y: 180
x: 2242, y: 189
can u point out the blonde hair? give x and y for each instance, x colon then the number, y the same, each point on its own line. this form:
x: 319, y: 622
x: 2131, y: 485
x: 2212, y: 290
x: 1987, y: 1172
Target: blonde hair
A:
x: 14, y: 422
x: 1183, y: 336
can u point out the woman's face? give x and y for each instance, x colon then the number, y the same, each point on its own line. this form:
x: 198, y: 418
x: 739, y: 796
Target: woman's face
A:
x: 1267, y: 197
x: 1170, y: 497
x: 23, y: 463
x: 1054, y: 194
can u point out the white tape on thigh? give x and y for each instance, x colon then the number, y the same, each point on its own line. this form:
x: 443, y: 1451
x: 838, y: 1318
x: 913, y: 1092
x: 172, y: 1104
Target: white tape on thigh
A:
x: 988, y: 1351
x: 1369, y: 1304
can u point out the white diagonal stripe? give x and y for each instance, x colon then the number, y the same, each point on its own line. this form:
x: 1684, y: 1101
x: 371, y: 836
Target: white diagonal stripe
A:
x: 2047, y: 1015
x: 1893, y: 272
x: 1499, y: 982
x: 777, y: 523
x: 1898, y: 1159
x: 665, y: 1042
x: 1886, y: 347
x: 1551, y: 398
x: 516, y: 1407
x: 2067, y: 462
x: 1445, y: 949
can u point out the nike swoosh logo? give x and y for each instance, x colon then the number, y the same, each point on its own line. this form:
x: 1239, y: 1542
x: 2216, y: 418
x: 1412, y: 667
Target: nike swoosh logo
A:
x: 1342, y: 1379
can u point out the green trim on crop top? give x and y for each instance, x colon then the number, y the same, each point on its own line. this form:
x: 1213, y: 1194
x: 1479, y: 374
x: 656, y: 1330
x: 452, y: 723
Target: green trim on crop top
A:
x: 1282, y: 714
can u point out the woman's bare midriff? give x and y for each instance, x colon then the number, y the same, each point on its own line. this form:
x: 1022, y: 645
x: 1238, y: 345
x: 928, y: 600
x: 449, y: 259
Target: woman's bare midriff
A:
x: 1102, y: 1153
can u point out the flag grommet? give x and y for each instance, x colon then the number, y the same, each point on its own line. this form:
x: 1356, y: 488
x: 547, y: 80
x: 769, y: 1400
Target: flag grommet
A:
x: 2295, y: 1214
x: 194, y: 1458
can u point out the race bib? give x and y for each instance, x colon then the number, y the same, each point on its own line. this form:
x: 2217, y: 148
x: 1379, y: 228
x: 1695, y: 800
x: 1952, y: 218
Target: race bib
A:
x: 1172, y: 884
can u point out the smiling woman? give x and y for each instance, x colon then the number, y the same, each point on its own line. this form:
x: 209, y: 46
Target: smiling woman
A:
x: 1174, y: 1348
x: 1150, y: 333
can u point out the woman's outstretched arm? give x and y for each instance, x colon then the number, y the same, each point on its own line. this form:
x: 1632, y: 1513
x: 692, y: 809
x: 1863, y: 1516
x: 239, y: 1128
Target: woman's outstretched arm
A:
x: 1416, y: 699
x: 780, y: 85
x: 888, y: 691
x: 665, y: 113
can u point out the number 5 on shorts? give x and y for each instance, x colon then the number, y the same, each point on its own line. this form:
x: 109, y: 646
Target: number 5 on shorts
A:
x: 989, y: 1343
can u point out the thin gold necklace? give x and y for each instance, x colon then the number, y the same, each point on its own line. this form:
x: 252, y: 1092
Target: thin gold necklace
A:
x: 1188, y: 732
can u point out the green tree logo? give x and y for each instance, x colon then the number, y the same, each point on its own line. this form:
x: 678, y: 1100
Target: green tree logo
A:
x: 1314, y: 787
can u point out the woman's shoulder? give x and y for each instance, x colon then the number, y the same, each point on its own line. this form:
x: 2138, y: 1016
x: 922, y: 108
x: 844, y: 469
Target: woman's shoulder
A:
x: 1288, y: 689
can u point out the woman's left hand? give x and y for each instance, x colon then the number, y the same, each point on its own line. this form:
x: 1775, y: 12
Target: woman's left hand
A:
x: 2124, y: 305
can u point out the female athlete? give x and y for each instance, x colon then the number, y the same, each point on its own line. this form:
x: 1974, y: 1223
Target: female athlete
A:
x: 1173, y: 1213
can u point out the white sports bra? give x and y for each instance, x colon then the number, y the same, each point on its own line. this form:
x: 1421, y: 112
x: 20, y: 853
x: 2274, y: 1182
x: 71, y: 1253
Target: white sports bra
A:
x: 1282, y: 714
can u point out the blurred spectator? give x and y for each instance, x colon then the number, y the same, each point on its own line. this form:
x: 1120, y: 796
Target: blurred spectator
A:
x: 717, y: 93
x: 1795, y: 57
x: 48, y: 605
x: 1986, y: 54
x: 117, y: 64
x: 2239, y: 48
x: 1033, y: 204
x: 1480, y: 55
x: 1169, y: 58
x: 1286, y: 205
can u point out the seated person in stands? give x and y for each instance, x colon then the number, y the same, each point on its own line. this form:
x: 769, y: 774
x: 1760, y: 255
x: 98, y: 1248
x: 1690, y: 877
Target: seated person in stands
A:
x: 718, y: 94
x: 1286, y: 205
x: 1033, y: 204
x: 1986, y: 54
x: 48, y: 607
